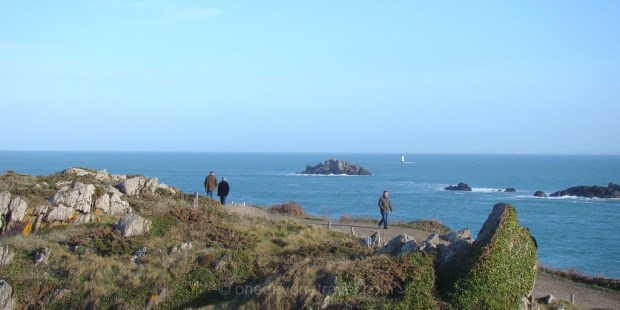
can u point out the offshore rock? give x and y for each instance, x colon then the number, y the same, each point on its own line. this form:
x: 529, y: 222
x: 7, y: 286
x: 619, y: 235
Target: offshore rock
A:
x: 540, y: 194
x: 460, y: 187
x: 510, y: 190
x: 611, y: 191
x: 334, y: 166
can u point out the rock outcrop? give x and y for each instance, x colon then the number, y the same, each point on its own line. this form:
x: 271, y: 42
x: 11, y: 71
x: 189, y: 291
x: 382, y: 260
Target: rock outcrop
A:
x: 138, y: 186
x: 400, y: 245
x: 510, y: 190
x: 79, y: 196
x: 454, y: 236
x: 101, y: 175
x: 611, y: 191
x: 7, y: 300
x: 133, y: 225
x: 75, y: 201
x: 540, y: 194
x: 42, y: 257
x: 460, y: 187
x: 497, y: 269
x: 6, y: 255
x: 13, y: 209
x: 334, y: 166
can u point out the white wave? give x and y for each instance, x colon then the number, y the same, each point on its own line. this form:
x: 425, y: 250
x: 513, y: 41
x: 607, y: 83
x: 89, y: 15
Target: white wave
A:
x: 326, y: 175
x: 485, y: 190
x: 567, y: 197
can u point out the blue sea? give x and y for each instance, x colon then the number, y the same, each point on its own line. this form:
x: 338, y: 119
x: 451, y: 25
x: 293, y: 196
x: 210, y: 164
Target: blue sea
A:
x: 571, y: 232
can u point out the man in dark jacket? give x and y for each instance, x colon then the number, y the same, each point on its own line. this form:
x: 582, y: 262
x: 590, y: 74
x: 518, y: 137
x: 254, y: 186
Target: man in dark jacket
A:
x: 210, y: 184
x: 222, y: 190
x: 385, y: 206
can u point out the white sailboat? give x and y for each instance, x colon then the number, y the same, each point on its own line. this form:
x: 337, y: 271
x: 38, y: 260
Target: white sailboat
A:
x: 402, y: 158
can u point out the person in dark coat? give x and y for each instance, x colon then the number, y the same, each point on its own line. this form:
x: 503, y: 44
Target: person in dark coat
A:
x: 385, y: 206
x: 210, y: 184
x: 222, y: 190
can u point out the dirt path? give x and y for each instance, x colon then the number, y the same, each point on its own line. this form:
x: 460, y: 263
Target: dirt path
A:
x: 585, y: 296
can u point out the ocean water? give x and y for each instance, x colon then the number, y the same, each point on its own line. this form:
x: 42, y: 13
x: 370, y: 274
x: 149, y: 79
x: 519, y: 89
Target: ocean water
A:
x: 571, y: 232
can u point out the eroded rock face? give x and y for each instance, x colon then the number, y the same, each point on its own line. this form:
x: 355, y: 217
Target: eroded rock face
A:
x: 17, y: 207
x: 79, y: 196
x: 7, y: 300
x: 498, y: 269
x: 133, y: 225
x: 59, y: 213
x: 6, y: 255
x: 5, y: 200
x: 138, y: 185
x: 334, y: 166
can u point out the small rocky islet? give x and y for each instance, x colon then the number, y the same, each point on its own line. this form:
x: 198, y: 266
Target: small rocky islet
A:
x: 611, y: 191
x: 336, y: 167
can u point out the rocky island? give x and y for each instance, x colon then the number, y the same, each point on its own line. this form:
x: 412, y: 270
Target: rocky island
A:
x: 336, y: 167
x: 611, y: 191
x: 460, y: 187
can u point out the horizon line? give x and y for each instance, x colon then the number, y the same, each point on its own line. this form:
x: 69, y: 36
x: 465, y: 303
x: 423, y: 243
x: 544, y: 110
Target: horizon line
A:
x: 320, y: 152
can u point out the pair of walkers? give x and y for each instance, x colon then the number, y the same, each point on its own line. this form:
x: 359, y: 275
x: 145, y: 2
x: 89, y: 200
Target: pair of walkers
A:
x: 222, y: 187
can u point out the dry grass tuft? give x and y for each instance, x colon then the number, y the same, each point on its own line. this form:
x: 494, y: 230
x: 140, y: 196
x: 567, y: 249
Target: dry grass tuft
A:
x: 290, y: 208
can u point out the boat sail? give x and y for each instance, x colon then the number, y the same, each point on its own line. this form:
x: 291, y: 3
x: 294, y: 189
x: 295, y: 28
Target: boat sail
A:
x: 402, y: 158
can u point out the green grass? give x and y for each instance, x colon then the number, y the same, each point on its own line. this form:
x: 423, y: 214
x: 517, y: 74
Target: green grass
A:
x: 285, y: 257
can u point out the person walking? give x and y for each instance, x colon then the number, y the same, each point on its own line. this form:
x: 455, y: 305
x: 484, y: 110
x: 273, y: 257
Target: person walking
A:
x: 385, y: 206
x: 210, y: 184
x: 222, y: 190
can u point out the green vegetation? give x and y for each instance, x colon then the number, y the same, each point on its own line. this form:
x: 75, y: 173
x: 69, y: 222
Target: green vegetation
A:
x: 289, y: 208
x: 426, y: 225
x: 495, y: 273
x: 237, y: 261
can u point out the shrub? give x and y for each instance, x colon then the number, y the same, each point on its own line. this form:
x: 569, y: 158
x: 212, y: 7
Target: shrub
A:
x: 499, y: 269
x: 356, y: 219
x: 426, y: 225
x: 290, y: 208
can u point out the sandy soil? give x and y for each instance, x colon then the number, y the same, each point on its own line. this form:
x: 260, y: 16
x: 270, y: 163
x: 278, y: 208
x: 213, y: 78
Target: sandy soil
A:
x: 585, y: 296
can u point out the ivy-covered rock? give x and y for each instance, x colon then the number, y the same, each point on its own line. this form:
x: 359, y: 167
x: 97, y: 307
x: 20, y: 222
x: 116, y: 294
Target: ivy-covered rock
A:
x: 498, y: 269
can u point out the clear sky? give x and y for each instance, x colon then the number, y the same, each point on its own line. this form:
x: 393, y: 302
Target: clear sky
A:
x: 311, y: 76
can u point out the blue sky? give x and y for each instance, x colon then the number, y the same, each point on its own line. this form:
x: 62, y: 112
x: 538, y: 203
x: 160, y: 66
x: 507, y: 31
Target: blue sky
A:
x: 311, y: 76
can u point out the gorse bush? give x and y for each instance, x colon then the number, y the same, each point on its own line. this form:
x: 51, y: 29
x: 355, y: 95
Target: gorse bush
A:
x: 289, y: 208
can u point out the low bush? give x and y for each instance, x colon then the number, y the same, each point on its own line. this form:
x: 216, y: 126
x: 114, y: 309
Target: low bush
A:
x: 290, y: 208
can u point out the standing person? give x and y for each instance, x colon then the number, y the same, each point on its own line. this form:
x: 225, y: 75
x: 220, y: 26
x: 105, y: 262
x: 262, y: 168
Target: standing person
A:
x: 222, y: 190
x: 210, y: 184
x: 385, y: 206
